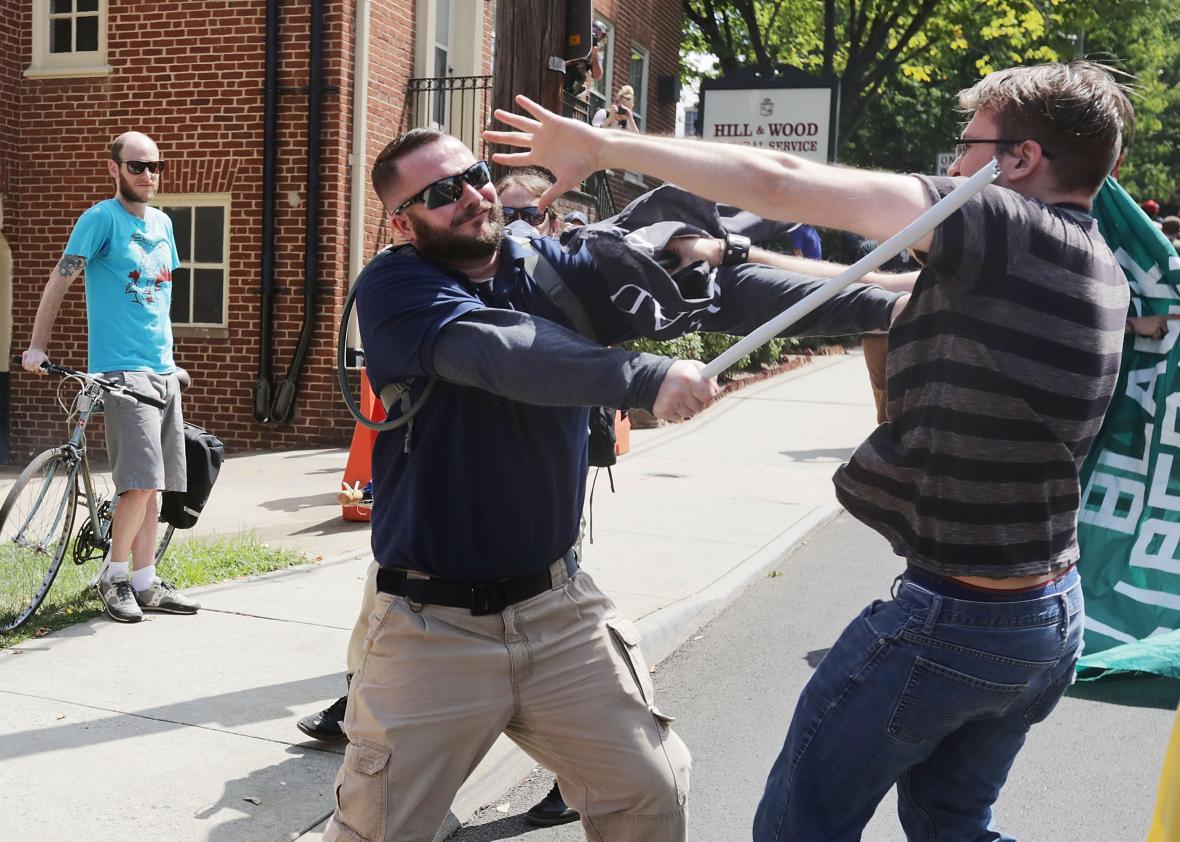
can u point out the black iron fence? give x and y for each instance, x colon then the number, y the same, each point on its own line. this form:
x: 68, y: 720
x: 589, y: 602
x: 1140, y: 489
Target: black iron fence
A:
x: 577, y: 109
x: 462, y: 105
x: 597, y: 186
x: 458, y: 105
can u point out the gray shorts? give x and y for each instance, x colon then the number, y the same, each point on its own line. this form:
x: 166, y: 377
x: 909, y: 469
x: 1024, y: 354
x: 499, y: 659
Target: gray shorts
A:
x: 145, y: 444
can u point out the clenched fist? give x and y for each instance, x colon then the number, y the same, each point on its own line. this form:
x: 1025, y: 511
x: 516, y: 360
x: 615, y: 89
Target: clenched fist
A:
x: 684, y: 391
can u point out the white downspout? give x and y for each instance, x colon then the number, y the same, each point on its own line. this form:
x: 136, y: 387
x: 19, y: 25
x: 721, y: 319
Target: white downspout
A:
x: 359, y: 180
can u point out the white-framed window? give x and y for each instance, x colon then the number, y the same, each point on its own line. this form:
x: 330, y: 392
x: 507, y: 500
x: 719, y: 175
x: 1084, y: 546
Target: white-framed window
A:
x: 200, y: 223
x: 442, y: 56
x: 637, y: 79
x: 69, y: 38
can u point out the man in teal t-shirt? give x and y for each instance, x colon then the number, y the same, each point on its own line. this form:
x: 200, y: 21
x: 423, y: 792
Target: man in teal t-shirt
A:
x: 128, y: 253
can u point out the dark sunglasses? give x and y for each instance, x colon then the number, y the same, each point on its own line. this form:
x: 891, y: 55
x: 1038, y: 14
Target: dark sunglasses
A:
x: 449, y: 189
x: 137, y: 167
x: 532, y: 214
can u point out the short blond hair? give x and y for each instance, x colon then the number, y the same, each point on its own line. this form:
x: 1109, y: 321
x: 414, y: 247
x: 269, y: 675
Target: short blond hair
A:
x: 529, y: 179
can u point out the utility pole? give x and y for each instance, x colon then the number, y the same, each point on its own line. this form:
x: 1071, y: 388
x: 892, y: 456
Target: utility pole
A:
x: 530, y: 46
x: 534, y: 39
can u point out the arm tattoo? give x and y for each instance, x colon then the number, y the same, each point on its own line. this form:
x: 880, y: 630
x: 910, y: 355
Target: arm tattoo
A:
x: 70, y: 265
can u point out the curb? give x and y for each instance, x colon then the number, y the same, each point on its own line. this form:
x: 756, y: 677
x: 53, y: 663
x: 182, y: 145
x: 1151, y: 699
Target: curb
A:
x: 662, y: 633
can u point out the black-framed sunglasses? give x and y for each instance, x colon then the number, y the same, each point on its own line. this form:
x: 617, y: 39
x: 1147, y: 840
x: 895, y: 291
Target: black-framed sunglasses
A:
x: 449, y: 189
x: 963, y: 142
x: 532, y: 214
x: 137, y: 167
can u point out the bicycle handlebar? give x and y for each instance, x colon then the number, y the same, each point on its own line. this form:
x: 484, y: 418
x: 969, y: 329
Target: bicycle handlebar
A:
x: 108, y: 385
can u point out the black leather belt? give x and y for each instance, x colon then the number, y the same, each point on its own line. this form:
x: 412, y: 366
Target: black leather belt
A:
x: 477, y: 597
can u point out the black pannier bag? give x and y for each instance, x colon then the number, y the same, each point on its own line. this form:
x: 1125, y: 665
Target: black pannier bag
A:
x: 203, y: 454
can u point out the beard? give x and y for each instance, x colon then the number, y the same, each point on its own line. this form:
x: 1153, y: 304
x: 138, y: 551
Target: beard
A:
x: 444, y: 244
x: 132, y: 193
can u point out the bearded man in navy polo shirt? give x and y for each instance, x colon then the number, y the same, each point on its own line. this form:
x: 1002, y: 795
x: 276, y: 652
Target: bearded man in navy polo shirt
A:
x: 483, y: 623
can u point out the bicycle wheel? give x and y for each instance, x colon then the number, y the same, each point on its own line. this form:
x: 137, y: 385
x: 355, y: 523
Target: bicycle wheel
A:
x: 35, y: 524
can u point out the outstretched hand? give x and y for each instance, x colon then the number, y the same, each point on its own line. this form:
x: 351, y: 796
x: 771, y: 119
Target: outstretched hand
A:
x: 567, y: 148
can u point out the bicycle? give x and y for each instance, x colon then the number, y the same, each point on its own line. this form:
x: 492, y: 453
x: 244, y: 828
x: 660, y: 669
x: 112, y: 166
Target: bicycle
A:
x: 37, y: 516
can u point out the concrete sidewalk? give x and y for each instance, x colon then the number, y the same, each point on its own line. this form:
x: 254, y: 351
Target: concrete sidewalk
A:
x: 182, y: 728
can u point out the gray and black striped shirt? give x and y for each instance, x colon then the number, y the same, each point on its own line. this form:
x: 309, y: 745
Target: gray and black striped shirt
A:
x: 1000, y: 371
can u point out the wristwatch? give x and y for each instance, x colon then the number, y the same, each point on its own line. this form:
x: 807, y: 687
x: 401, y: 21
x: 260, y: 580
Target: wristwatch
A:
x: 737, y: 250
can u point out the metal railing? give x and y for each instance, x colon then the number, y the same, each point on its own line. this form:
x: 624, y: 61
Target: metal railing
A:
x: 577, y: 109
x: 459, y: 105
x: 597, y: 186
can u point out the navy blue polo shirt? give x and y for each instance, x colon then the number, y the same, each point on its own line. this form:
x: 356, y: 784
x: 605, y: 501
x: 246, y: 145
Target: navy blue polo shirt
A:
x: 490, y: 487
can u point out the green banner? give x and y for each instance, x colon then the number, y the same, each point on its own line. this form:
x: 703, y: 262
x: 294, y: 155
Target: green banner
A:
x: 1129, y: 522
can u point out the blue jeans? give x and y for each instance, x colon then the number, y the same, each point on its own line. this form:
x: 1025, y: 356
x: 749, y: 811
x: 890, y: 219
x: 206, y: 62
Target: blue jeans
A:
x: 929, y: 692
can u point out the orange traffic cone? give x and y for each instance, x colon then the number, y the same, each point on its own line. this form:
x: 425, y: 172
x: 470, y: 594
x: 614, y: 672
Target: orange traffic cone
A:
x: 622, y: 433
x: 359, y: 471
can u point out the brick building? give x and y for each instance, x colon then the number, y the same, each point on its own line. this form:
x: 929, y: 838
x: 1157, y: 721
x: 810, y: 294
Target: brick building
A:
x: 643, y: 51
x: 75, y: 73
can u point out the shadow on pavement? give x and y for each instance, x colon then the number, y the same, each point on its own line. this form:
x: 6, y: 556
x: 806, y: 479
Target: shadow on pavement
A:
x: 298, y: 504
x: 222, y: 712
x: 332, y: 526
x: 258, y: 806
x: 510, y: 827
x: 311, y: 454
x: 815, y: 656
x: 826, y: 454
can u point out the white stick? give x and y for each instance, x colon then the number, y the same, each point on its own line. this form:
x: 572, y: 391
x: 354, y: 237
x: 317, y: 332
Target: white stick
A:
x: 903, y: 239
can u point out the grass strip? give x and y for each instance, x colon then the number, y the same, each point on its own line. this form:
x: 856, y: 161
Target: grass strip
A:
x: 187, y: 564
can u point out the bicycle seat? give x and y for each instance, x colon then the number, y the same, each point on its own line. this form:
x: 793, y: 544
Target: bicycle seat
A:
x: 183, y: 379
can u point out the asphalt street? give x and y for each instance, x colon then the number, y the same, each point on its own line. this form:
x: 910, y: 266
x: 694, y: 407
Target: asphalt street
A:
x: 1088, y: 773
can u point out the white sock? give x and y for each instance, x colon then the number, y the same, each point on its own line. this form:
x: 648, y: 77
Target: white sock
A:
x: 143, y: 578
x: 118, y: 570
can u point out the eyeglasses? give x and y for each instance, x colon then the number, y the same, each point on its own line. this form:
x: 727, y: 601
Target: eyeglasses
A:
x: 532, y: 214
x: 449, y: 189
x: 137, y: 167
x: 962, y: 143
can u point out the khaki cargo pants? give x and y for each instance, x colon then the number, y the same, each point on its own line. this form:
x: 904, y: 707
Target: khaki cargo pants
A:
x: 561, y: 674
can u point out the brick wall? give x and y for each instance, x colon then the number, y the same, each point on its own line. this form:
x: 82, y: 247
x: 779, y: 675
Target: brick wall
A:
x: 195, y: 83
x: 10, y: 29
x: 656, y: 25
x: 391, y: 63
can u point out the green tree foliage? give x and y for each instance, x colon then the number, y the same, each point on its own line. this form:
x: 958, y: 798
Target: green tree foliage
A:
x: 1143, y: 38
x: 871, y: 45
x: 903, y: 62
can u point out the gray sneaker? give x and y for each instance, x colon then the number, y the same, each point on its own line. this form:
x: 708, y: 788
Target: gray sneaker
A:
x: 163, y: 597
x: 119, y: 599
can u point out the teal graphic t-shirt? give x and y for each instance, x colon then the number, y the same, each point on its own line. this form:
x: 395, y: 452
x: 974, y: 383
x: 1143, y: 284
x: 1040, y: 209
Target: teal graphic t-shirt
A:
x: 129, y: 263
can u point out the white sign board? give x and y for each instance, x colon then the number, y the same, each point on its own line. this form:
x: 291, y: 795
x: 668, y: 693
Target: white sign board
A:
x: 795, y: 120
x: 943, y: 164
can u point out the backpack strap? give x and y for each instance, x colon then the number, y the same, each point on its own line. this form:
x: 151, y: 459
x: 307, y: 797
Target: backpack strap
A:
x: 551, y: 283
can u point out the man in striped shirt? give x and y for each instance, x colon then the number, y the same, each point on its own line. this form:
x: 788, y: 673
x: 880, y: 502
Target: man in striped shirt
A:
x: 1000, y: 371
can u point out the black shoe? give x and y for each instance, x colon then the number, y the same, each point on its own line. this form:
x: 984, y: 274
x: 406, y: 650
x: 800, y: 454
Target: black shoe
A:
x: 551, y: 810
x: 326, y: 724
